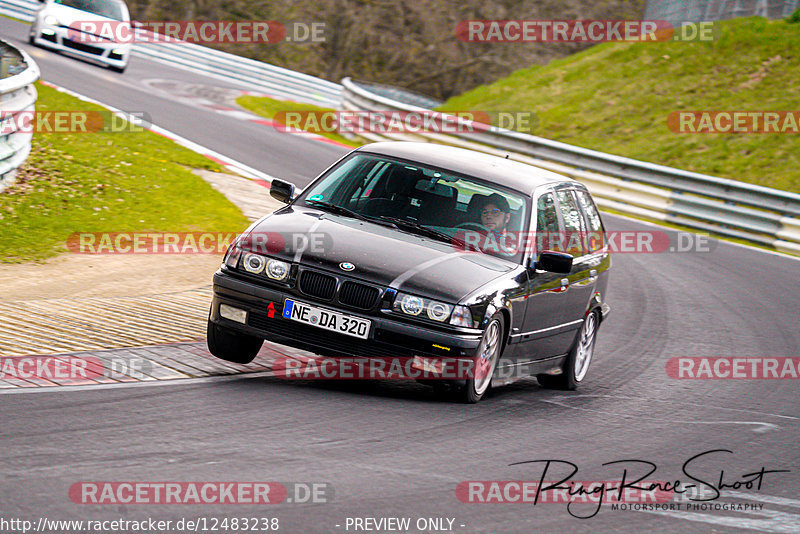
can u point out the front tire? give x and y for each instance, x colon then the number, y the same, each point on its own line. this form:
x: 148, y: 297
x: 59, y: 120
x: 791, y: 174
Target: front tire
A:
x: 486, y: 358
x: 232, y: 346
x: 578, y: 360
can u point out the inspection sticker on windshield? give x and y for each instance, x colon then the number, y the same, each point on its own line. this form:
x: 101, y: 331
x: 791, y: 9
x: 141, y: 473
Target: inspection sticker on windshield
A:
x: 326, y: 319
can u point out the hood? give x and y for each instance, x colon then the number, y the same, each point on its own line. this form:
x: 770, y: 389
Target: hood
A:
x: 381, y: 255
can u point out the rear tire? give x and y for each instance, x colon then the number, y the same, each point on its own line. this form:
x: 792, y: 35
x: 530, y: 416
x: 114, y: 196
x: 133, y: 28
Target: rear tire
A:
x: 578, y: 360
x: 232, y: 346
x: 486, y: 357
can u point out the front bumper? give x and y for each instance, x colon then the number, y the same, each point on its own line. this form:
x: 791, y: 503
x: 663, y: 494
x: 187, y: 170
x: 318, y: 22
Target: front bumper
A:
x: 387, y: 337
x: 57, y: 38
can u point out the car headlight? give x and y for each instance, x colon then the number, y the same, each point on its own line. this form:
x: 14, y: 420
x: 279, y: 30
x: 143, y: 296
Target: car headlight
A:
x: 462, y: 316
x: 415, y: 306
x: 51, y: 20
x: 438, y: 311
x: 232, y: 256
x: 256, y: 264
x: 253, y: 263
x: 277, y: 270
x: 410, y: 304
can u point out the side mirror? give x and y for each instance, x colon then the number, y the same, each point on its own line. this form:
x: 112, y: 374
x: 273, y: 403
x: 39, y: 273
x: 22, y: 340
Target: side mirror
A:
x: 282, y: 191
x: 554, y: 262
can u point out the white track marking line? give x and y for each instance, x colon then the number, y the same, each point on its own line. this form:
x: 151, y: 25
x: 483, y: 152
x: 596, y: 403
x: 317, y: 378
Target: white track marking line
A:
x: 616, y: 397
x: 783, y: 501
x: 778, y: 522
x: 758, y: 426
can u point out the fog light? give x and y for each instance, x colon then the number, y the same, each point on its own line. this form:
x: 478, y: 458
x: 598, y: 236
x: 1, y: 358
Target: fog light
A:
x: 233, y: 314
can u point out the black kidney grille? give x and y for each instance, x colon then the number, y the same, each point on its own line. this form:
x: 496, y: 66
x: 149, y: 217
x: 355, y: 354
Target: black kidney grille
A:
x: 359, y: 295
x: 318, y: 285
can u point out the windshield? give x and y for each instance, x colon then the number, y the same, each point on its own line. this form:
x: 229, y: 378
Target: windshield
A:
x: 472, y: 213
x: 105, y: 8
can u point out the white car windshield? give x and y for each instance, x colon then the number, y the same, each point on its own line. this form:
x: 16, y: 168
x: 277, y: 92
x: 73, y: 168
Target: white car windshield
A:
x: 104, y: 8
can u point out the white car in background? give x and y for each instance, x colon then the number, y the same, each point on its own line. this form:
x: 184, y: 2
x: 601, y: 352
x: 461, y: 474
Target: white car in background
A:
x: 56, y: 24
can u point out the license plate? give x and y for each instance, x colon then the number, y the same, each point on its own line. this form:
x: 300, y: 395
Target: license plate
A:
x: 326, y: 319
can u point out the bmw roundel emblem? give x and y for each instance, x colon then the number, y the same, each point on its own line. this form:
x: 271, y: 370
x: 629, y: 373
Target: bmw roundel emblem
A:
x: 346, y: 266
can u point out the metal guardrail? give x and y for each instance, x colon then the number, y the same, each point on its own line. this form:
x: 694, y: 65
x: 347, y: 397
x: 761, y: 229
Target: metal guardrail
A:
x: 17, y: 96
x: 726, y: 207
x: 254, y: 75
x: 703, y: 10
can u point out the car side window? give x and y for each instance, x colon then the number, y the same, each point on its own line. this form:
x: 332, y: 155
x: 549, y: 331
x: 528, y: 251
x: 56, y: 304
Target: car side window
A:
x: 547, y: 229
x: 573, y: 224
x: 596, y: 238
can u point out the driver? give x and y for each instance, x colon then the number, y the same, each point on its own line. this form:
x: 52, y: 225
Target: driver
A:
x: 495, y: 214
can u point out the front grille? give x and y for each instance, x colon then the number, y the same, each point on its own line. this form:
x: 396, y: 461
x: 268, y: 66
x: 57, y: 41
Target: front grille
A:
x: 317, y: 285
x: 359, y: 295
x: 83, y: 47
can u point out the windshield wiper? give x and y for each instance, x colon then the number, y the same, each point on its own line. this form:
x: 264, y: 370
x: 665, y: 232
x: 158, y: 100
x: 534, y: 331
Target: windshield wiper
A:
x: 339, y: 210
x: 405, y: 224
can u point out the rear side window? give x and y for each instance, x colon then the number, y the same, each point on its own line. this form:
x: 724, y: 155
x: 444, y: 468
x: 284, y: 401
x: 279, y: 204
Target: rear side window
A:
x: 573, y: 223
x: 596, y: 238
x: 547, y: 230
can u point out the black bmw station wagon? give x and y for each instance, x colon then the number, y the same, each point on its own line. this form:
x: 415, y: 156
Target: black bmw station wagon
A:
x: 428, y: 252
